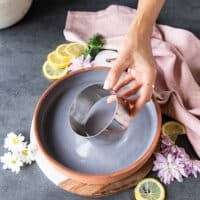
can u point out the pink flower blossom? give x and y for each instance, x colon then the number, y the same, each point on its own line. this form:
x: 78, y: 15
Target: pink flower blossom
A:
x: 174, y: 163
x: 169, y: 168
x: 185, y: 160
x: 195, y: 167
x: 167, y: 146
x: 80, y: 62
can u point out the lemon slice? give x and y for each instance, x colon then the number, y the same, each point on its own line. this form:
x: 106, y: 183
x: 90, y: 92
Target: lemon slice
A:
x: 149, y: 189
x: 52, y: 73
x: 61, y: 53
x: 172, y: 129
x: 58, y: 62
x: 75, y: 49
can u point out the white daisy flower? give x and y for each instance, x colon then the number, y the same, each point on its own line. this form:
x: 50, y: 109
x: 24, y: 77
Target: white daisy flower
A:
x: 12, y: 162
x: 28, y: 153
x: 14, y: 142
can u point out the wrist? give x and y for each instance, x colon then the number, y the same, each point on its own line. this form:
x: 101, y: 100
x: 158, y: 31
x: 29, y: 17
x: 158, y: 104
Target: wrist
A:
x: 139, y: 34
x: 141, y: 27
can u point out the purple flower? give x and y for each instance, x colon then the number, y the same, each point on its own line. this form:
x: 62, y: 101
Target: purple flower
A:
x: 80, y: 62
x: 174, y: 163
x: 166, y: 141
x: 167, y: 146
x: 195, y: 167
x: 185, y: 160
x: 169, y: 168
x: 191, y: 166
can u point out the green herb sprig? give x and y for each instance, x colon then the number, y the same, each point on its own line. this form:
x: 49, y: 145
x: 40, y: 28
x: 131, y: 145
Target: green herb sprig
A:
x: 94, y: 45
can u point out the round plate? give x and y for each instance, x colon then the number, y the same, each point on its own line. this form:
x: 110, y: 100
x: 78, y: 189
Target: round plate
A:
x: 98, y: 156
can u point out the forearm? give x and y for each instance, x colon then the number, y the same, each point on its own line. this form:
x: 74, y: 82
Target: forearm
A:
x: 147, y: 13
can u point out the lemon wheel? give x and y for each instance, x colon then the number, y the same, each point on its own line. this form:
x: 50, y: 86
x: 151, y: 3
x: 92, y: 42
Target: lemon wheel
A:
x: 52, y: 73
x: 172, y: 129
x: 58, y: 62
x: 61, y: 52
x: 149, y: 189
x: 75, y: 49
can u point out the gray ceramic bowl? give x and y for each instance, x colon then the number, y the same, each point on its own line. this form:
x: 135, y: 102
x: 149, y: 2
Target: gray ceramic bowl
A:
x: 91, y: 161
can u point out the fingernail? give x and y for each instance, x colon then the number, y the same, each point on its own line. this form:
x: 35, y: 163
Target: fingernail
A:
x: 106, y: 85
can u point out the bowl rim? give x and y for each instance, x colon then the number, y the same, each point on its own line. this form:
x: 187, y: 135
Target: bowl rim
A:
x: 85, y: 177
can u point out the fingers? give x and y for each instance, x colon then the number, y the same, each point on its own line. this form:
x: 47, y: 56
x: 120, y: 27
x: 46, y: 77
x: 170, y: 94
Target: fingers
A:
x: 114, y: 74
x: 122, y: 82
x: 111, y: 98
x: 129, y: 92
x: 146, y: 92
x: 134, y: 105
x: 145, y: 96
x: 131, y: 106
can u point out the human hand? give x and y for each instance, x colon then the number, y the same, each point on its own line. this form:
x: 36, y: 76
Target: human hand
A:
x: 136, y: 56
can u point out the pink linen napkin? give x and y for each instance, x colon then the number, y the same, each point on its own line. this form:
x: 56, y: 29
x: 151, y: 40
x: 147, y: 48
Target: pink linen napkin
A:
x: 177, y: 54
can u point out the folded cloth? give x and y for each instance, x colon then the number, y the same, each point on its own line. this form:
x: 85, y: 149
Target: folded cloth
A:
x: 177, y: 54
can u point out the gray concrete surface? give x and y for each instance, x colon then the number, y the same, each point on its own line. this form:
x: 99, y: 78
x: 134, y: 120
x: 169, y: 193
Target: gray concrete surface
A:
x: 23, y: 49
